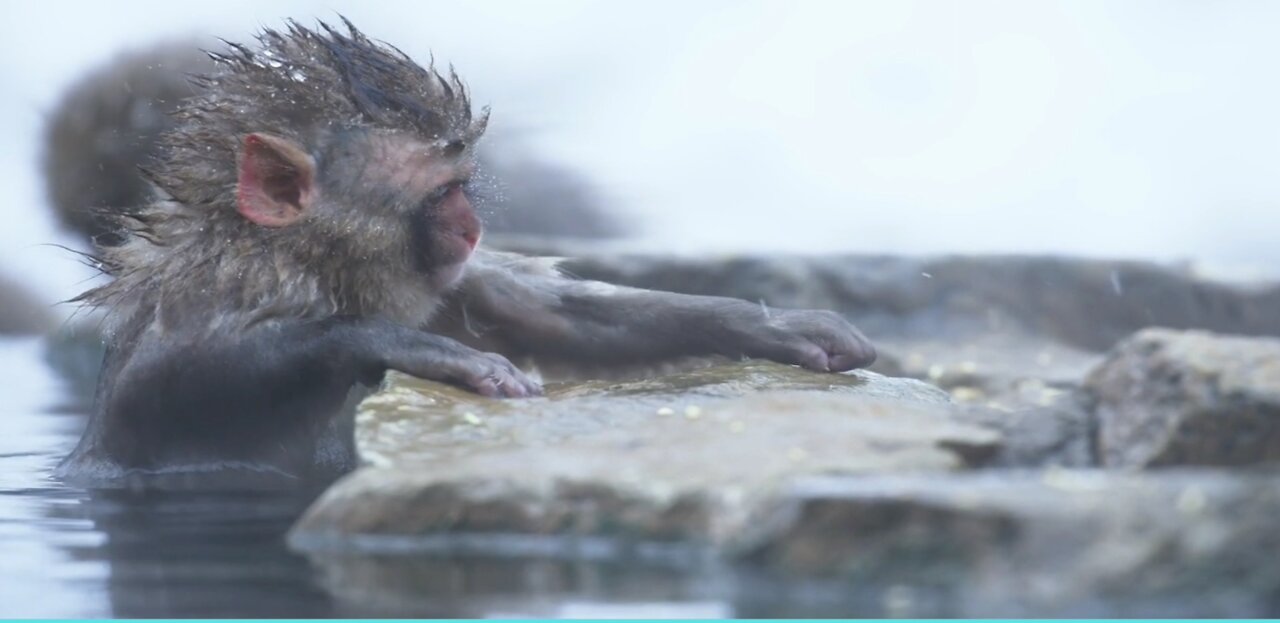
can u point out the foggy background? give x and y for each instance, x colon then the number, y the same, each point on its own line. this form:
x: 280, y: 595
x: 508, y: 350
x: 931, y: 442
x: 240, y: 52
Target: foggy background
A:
x: 1117, y: 129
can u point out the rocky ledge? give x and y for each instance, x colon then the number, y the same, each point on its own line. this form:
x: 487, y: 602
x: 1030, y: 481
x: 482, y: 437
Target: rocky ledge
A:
x: 752, y: 470
x: 1051, y: 455
x: 677, y: 459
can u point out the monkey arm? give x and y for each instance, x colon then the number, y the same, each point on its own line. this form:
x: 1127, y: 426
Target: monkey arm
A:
x: 542, y: 314
x: 266, y: 396
x: 282, y: 370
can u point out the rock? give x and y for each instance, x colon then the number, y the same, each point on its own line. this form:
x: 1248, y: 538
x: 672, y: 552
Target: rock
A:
x: 1014, y: 333
x: 1008, y: 372
x: 1059, y: 433
x: 1188, y: 398
x: 988, y: 543
x: 20, y: 314
x: 1057, y: 543
x: 674, y: 459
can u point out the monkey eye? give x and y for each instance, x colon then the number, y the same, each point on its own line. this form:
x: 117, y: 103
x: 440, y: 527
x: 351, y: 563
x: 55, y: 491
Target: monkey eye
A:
x: 454, y: 148
x: 437, y: 195
x: 479, y: 190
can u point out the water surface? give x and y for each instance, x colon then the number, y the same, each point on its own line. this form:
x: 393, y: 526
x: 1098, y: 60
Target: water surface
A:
x: 120, y: 553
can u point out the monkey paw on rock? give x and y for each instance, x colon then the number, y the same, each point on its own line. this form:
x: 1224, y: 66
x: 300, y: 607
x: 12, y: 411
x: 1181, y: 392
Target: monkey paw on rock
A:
x: 441, y: 359
x: 816, y: 340
x: 487, y: 374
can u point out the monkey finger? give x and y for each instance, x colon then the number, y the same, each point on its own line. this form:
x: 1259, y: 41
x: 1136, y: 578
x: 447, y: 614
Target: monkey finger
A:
x: 497, y: 385
x: 521, y: 385
x: 518, y: 378
x: 849, y: 350
x: 532, y: 387
x: 488, y: 388
x: 859, y: 355
x: 844, y: 345
x: 809, y: 356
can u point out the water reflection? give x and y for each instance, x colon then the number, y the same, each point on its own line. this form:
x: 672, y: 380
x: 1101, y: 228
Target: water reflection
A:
x: 123, y: 553
x: 208, y: 554
x: 221, y: 553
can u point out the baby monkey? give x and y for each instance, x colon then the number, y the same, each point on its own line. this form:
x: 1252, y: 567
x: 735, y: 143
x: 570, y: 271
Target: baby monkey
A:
x: 311, y: 230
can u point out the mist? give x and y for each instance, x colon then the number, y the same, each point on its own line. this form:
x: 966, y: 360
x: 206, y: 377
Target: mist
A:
x: 1106, y: 129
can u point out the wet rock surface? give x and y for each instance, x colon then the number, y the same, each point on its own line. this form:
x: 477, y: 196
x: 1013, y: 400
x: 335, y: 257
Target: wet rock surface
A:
x: 677, y: 458
x: 981, y: 488
x: 1060, y: 542
x: 1188, y: 398
x: 1008, y: 331
x: 763, y: 489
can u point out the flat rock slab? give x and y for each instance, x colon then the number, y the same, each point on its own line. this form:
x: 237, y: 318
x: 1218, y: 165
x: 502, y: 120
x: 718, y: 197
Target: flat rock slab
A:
x: 1166, y: 397
x: 988, y: 543
x: 1005, y: 371
x: 1057, y: 542
x: 680, y: 458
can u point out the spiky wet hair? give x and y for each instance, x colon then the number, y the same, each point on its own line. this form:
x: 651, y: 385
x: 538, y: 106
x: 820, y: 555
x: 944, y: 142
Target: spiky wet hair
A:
x: 190, y: 252
x: 299, y: 82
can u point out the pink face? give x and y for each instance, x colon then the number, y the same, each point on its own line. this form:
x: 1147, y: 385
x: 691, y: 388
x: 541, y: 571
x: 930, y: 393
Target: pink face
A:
x: 431, y: 186
x: 277, y: 187
x: 456, y: 228
x: 444, y: 224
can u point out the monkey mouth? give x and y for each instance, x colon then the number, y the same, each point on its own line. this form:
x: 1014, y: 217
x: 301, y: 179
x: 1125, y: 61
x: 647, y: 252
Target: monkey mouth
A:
x: 446, y: 276
x: 469, y: 236
x: 445, y: 259
x: 437, y: 244
x: 459, y: 244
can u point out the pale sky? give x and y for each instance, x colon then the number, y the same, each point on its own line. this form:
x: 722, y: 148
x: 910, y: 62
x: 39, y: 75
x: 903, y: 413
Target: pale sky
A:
x: 1113, y: 129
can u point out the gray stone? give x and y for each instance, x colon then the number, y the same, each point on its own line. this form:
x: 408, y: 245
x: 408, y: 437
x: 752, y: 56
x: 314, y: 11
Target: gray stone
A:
x: 1059, y: 433
x: 1059, y: 542
x: 670, y: 459
x: 1003, y: 370
x: 1188, y: 398
x: 1014, y: 333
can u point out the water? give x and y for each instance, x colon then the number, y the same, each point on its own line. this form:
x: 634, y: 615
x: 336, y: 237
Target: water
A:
x: 73, y: 553
x: 76, y: 553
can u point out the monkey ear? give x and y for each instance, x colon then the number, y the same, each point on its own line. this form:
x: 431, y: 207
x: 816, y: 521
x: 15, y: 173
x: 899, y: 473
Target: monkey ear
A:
x: 276, y: 182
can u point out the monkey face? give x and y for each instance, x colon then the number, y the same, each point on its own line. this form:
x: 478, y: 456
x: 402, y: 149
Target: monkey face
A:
x: 444, y: 231
x: 401, y: 200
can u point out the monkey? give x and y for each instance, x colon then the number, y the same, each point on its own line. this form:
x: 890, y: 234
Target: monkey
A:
x: 20, y: 310
x: 108, y: 123
x: 310, y: 227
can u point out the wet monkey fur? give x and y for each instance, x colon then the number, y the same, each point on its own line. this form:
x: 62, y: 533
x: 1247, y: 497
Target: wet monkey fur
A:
x: 311, y: 229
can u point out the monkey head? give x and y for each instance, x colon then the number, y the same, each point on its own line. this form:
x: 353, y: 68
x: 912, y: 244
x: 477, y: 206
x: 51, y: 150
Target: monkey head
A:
x: 320, y: 169
x: 396, y: 197
x: 344, y: 142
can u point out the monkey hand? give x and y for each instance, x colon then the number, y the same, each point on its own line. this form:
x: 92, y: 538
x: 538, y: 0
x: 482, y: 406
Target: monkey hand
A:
x: 817, y: 340
x: 441, y: 359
